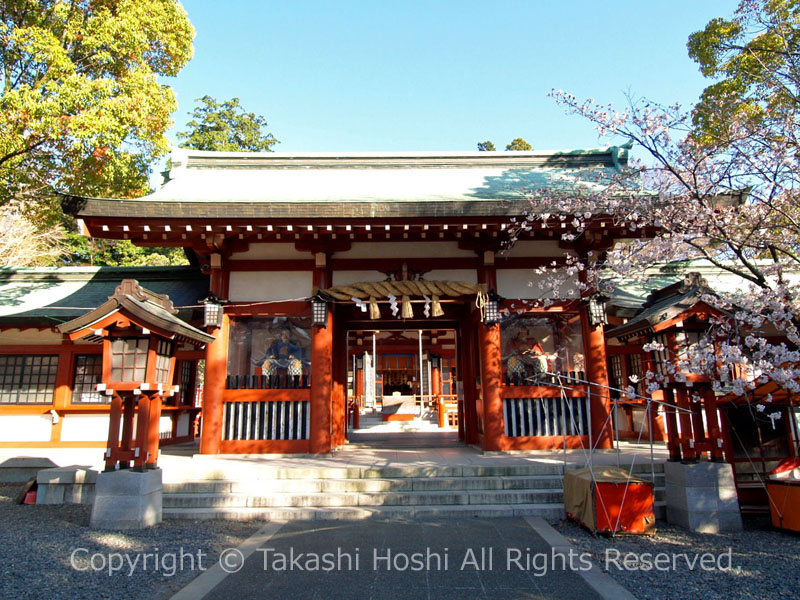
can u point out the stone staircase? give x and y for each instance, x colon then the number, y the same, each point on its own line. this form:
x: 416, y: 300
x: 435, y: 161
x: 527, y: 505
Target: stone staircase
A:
x: 399, y: 492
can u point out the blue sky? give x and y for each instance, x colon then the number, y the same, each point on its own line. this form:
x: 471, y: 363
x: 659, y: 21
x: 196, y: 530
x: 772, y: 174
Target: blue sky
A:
x: 437, y: 75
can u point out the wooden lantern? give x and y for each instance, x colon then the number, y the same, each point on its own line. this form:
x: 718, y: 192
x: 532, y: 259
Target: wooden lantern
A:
x: 140, y: 333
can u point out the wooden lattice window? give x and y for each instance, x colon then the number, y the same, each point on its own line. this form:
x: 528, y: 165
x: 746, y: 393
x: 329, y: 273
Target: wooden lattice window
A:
x: 661, y: 356
x: 28, y: 379
x: 88, y: 373
x: 129, y: 359
x: 188, y: 370
x: 163, y: 357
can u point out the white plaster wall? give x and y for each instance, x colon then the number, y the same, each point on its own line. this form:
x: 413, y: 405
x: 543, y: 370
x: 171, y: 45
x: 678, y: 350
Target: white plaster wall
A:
x: 270, y: 252
x: 466, y: 275
x: 184, y: 422
x: 165, y: 425
x: 404, y: 249
x: 84, y: 428
x: 524, y: 283
x: 256, y: 286
x: 348, y: 277
x: 25, y: 428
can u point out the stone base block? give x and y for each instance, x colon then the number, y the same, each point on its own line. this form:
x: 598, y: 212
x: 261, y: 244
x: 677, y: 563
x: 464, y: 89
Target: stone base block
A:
x: 66, y: 485
x: 127, y: 499
x: 22, y: 468
x: 702, y: 497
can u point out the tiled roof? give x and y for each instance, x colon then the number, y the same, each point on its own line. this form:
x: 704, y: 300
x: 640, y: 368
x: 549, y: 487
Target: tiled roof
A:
x: 56, y: 295
x: 276, y: 185
x: 149, y: 311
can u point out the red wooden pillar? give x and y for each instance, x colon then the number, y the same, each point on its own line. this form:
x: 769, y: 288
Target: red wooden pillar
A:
x: 153, y: 431
x: 358, y: 392
x: 491, y: 367
x: 491, y: 387
x: 687, y: 435
x: 213, y: 389
x: 468, y: 419
x: 338, y: 376
x: 673, y: 440
x: 321, y: 384
x: 594, y: 341
x: 321, y: 369
x: 216, y: 367
x: 114, y: 417
x: 128, y: 413
x: 142, y: 429
x: 436, y: 391
x: 712, y: 422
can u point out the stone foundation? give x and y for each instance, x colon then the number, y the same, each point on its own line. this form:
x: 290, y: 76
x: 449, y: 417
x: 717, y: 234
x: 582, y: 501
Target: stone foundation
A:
x: 65, y: 485
x: 22, y: 468
x: 702, y: 497
x: 127, y: 499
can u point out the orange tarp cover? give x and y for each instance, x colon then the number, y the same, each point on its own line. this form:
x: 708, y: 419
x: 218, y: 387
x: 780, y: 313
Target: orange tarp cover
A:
x: 613, y: 500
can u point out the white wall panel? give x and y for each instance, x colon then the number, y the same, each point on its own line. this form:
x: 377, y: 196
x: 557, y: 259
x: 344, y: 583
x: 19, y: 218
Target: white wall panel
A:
x: 525, y: 283
x: 256, y: 286
x: 348, y: 277
x: 270, y: 252
x: 84, y: 428
x: 25, y: 428
x: 541, y: 248
x: 467, y: 275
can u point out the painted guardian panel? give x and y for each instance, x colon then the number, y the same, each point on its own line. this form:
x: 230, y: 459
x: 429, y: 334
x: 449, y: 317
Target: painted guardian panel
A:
x: 535, y: 346
x: 269, y: 353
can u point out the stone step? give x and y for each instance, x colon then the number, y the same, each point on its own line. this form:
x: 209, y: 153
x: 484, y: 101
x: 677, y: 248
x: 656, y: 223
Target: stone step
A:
x: 220, y: 500
x: 212, y: 472
x: 262, y: 486
x: 550, y: 512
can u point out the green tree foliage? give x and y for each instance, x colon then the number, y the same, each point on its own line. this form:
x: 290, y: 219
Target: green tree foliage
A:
x: 119, y: 253
x: 754, y: 58
x: 81, y: 107
x: 516, y: 144
x: 519, y: 144
x: 226, y: 127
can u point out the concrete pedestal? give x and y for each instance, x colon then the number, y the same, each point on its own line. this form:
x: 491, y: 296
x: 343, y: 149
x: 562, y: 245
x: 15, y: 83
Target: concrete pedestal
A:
x: 127, y: 499
x: 702, y: 497
x: 22, y: 468
x: 66, y: 485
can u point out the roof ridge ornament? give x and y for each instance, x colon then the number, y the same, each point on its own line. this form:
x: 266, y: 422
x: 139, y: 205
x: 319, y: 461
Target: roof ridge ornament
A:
x: 131, y: 287
x: 693, y: 279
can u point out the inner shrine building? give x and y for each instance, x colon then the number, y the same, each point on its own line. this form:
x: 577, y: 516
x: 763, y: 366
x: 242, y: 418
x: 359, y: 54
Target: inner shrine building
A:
x: 384, y: 281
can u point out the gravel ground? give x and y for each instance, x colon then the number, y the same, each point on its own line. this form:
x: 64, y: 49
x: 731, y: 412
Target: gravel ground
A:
x: 765, y: 562
x: 43, y: 556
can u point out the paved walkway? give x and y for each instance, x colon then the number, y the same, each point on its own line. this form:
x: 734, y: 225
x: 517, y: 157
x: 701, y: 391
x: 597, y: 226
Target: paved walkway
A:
x: 175, y: 460
x: 529, y: 559
x: 492, y: 558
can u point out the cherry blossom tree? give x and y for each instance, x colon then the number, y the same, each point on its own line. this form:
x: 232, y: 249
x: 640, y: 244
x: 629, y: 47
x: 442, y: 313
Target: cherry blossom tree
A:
x: 719, y: 184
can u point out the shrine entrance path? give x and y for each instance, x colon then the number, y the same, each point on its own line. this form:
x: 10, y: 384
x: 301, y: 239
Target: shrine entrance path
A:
x: 431, y: 559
